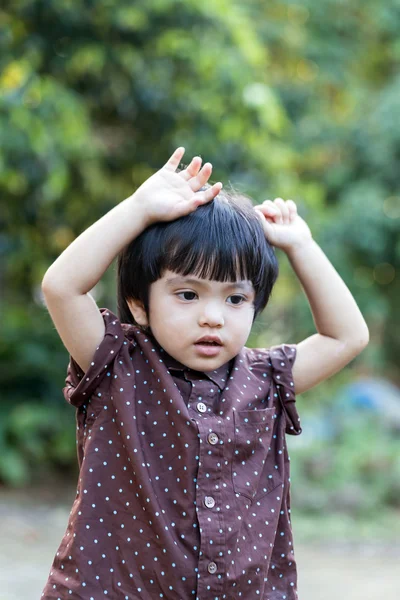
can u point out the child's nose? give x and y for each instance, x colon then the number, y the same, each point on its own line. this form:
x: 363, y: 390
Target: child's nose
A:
x: 212, y: 315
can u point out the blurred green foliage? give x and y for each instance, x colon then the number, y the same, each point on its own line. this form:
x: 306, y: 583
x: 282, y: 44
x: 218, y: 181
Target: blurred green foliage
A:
x: 292, y: 99
x: 355, y: 474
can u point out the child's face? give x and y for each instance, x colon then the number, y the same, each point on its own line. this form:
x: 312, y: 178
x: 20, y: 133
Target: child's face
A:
x: 184, y: 309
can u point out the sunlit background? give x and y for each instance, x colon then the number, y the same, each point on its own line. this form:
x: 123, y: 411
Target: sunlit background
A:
x: 293, y: 99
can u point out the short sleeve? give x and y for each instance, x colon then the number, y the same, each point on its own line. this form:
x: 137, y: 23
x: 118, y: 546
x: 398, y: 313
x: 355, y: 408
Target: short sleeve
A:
x: 80, y: 386
x: 282, y: 360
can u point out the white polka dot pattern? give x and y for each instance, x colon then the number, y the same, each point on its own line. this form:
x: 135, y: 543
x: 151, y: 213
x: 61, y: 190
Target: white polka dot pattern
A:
x: 174, y: 500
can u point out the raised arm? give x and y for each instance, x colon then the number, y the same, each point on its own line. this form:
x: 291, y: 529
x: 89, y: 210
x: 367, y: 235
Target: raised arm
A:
x: 342, y: 330
x: 165, y: 196
x: 76, y: 271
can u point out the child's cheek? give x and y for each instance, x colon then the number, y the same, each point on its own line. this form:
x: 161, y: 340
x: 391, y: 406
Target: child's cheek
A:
x: 178, y: 318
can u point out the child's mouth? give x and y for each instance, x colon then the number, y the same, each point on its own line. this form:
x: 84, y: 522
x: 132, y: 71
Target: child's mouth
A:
x: 208, y: 348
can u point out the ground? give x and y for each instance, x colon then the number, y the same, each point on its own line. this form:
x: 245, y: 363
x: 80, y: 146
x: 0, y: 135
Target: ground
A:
x: 34, y: 522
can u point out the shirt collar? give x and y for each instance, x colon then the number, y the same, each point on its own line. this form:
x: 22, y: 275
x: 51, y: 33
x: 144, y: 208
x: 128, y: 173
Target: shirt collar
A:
x: 218, y: 376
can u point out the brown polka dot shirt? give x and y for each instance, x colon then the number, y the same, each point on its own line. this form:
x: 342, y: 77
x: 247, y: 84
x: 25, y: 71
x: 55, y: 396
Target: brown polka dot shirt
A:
x: 184, y: 487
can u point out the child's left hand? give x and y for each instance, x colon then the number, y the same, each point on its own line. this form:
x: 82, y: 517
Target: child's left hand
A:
x: 283, y: 227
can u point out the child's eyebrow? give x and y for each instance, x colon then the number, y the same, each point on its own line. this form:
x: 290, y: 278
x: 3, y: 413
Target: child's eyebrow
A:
x: 230, y: 285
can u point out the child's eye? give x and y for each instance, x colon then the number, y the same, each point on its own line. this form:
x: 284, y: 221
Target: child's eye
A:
x: 239, y: 299
x: 187, y: 293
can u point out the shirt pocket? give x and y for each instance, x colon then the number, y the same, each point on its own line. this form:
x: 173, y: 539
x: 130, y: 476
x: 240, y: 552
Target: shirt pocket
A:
x: 252, y: 438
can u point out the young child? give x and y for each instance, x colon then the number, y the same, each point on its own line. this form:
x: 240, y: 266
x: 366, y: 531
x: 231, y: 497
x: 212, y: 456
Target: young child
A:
x: 183, y: 488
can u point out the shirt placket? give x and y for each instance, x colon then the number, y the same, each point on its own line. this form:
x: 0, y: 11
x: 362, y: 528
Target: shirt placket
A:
x: 211, y: 566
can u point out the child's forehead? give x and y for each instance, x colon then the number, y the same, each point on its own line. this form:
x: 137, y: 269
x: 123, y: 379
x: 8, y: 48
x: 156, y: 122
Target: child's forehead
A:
x: 172, y: 278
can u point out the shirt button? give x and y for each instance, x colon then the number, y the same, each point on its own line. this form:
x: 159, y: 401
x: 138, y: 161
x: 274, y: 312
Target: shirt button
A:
x: 209, y: 501
x: 212, y: 567
x: 212, y: 438
x: 201, y: 407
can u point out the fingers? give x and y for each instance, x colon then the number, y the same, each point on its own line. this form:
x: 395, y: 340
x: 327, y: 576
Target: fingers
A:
x: 292, y: 209
x: 192, y: 169
x: 278, y: 211
x: 270, y: 211
x: 196, y: 176
x: 207, y: 195
x: 201, y: 178
x: 173, y: 162
x: 283, y: 208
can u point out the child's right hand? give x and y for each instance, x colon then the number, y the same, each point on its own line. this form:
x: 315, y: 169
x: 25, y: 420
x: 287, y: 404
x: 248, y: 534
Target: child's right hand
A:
x: 168, y: 195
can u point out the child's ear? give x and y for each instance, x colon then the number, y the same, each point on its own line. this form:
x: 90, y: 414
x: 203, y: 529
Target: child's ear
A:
x: 139, y: 314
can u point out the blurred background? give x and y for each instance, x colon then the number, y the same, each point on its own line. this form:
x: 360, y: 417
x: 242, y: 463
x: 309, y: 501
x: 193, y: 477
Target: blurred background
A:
x: 294, y: 99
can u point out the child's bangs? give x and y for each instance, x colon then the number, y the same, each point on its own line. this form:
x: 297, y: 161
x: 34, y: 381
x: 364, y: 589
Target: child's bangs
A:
x: 203, y: 260
x: 222, y: 248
